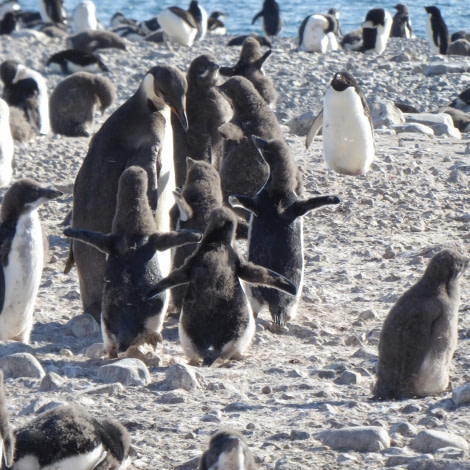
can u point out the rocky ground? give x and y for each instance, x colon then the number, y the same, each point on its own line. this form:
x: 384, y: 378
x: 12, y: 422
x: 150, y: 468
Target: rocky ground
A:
x: 360, y: 257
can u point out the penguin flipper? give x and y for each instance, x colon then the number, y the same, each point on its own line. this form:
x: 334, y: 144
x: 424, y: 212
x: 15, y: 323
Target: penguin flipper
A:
x: 259, y: 275
x: 175, y: 278
x: 245, y: 202
x: 317, y: 123
x: 259, y: 63
x: 165, y: 241
x: 258, y: 15
x: 102, y: 242
x: 7, y: 232
x: 299, y: 208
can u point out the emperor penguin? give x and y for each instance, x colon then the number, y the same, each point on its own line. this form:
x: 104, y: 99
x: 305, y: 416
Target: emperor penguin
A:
x: 71, y: 60
x: 84, y: 17
x: 227, y: 449
x: 271, y: 14
x: 179, y: 25
x: 216, y: 321
x: 52, y: 11
x: 419, y: 335
x: 137, y: 133
x: 200, y: 16
x: 250, y: 65
x: 242, y: 170
x: 26, y: 89
x: 22, y: 260
x: 436, y: 31
x: 401, y: 25
x: 7, y: 147
x: 318, y: 33
x: 275, y: 237
x: 348, y: 132
x: 74, y: 100
x: 69, y: 437
x: 128, y: 318
x: 206, y: 110
x: 376, y: 30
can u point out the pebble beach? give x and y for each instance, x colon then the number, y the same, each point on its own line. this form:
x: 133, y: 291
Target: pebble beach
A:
x: 292, y: 390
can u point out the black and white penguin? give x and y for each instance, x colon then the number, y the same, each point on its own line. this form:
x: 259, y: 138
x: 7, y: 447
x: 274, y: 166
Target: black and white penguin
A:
x: 9, y: 23
x: 73, y: 60
x: 436, y: 31
x: 401, y: 25
x: 179, y: 25
x: 7, y: 147
x: 84, y: 17
x: 419, y: 335
x: 271, y: 14
x: 376, y: 30
x: 74, y: 100
x: 145, y: 140
x: 227, y: 449
x: 128, y: 318
x: 250, y: 66
x: 199, y: 196
x: 275, y: 238
x: 92, y: 40
x: 216, y: 319
x: 52, y: 11
x: 200, y: 16
x: 243, y: 170
x: 69, y: 437
x: 22, y: 260
x: 26, y: 89
x: 206, y: 110
x: 318, y: 33
x: 215, y: 23
x: 348, y: 132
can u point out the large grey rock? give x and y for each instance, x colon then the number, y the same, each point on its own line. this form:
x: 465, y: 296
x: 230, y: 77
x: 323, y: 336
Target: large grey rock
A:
x: 461, y: 395
x: 460, y: 118
x: 127, y: 371
x: 384, y: 112
x: 430, y: 440
x: 21, y: 365
x: 444, y: 68
x: 50, y: 382
x: 83, y: 326
x: 300, y: 125
x: 459, y: 47
x: 357, y: 438
x: 440, y: 123
x: 181, y: 376
x: 414, y: 127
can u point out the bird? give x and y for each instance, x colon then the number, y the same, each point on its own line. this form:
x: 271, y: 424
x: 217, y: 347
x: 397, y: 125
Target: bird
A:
x: 319, y: 33
x: 401, y: 25
x: 436, y: 30
x: 272, y: 21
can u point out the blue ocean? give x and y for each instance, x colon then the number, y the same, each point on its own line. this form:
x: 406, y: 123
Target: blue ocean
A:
x: 456, y: 13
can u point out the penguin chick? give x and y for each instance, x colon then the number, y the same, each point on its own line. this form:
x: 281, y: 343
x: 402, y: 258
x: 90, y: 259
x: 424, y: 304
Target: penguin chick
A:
x: 216, y: 320
x: 227, y: 450
x: 419, y: 335
x: 250, y: 65
x: 348, y: 132
x: 22, y: 256
x: 95, y: 39
x: 73, y: 102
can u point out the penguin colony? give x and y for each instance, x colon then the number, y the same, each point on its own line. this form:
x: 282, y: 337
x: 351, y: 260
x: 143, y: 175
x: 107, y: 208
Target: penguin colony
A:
x: 126, y: 207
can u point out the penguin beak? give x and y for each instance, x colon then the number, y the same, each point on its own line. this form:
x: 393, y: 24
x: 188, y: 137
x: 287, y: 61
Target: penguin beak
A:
x: 181, y: 115
x: 48, y: 193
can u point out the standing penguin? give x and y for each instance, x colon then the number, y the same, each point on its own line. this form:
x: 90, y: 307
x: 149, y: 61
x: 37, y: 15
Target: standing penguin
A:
x: 419, y: 335
x: 271, y: 14
x: 7, y: 147
x: 52, y: 11
x: 436, y: 31
x: 22, y: 257
x: 200, y: 16
x: 206, y: 110
x: 179, y: 25
x: 275, y: 238
x: 137, y: 133
x: 73, y: 102
x: 243, y: 170
x: 401, y: 26
x: 128, y: 318
x: 376, y: 30
x: 318, y: 33
x: 227, y: 450
x: 348, y: 133
x: 84, y: 17
x: 26, y: 89
x: 250, y: 65
x: 216, y: 320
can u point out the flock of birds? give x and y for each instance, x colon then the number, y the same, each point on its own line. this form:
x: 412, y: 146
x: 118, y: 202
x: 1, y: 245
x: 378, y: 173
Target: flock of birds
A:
x: 160, y: 198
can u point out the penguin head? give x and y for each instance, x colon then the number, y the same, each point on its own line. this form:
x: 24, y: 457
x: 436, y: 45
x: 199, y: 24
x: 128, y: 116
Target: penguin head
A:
x: 432, y: 10
x: 401, y: 8
x: 343, y: 80
x: 166, y: 85
x: 204, y: 71
x: 374, y: 18
x: 8, y: 71
x: 25, y: 196
x: 446, y: 266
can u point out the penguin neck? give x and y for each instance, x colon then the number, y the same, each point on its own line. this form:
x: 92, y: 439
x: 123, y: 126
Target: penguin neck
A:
x: 146, y: 93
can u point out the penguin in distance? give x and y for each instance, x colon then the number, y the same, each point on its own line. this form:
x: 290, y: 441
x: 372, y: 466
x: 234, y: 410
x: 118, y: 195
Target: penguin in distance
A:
x: 216, y: 321
x: 419, y: 335
x: 401, y: 25
x: 7, y: 146
x: 271, y: 15
x: 318, y: 33
x: 376, y: 30
x: 436, y: 30
x: 22, y: 256
x: 348, y: 132
x: 71, y: 60
x: 145, y: 140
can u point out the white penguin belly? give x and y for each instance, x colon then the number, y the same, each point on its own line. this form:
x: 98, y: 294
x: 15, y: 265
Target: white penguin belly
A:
x: 178, y: 30
x: 22, y: 279
x: 314, y: 38
x: 348, y: 142
x: 165, y: 188
x: 233, y: 460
